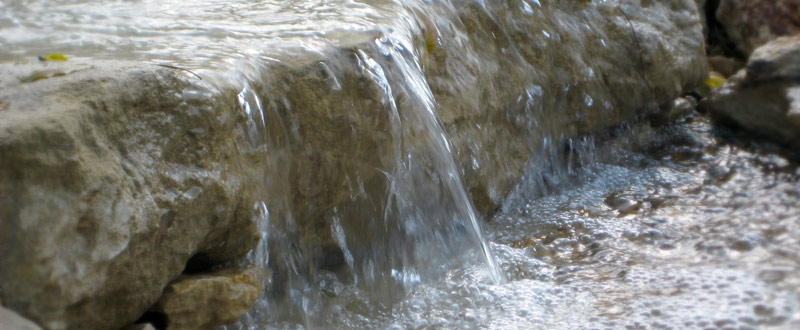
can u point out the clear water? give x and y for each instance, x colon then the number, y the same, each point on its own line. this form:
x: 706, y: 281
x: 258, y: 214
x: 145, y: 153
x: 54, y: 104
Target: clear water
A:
x: 653, y: 228
x: 197, y: 35
x: 670, y: 228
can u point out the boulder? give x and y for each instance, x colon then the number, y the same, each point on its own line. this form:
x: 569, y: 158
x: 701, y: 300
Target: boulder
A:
x: 752, y: 23
x: 112, y: 176
x: 765, y: 96
x: 195, y: 302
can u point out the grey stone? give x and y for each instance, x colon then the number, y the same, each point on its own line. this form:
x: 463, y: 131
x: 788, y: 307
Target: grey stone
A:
x: 764, y: 96
x: 777, y: 60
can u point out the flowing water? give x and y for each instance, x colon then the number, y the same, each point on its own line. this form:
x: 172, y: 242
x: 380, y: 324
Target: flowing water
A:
x: 670, y: 227
x: 679, y: 227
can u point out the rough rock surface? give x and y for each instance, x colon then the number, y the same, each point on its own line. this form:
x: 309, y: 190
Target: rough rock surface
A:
x: 590, y: 67
x: 206, y: 301
x: 765, y: 96
x: 752, y: 23
x: 502, y: 93
x: 112, y: 175
x: 9, y: 320
x: 701, y: 9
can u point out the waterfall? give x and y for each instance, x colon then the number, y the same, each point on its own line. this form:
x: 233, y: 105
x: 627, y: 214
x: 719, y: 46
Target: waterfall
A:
x: 407, y: 225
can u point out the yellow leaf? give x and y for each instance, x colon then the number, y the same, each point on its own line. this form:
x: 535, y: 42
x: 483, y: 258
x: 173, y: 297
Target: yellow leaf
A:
x: 54, y: 57
x: 715, y: 80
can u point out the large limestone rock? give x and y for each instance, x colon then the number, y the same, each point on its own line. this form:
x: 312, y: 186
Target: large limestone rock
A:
x: 195, y: 302
x: 509, y: 83
x: 752, y: 23
x: 559, y: 71
x: 765, y: 96
x: 113, y: 175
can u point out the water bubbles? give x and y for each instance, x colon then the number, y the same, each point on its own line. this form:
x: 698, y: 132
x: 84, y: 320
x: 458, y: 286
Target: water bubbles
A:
x: 588, y: 100
x: 526, y: 8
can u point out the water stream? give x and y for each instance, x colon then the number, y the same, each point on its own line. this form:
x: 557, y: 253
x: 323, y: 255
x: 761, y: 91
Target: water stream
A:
x: 676, y: 227
x: 639, y: 227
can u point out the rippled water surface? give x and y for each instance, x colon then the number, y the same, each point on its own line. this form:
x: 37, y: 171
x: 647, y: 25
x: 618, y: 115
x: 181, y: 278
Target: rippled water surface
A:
x: 195, y: 34
x: 671, y: 228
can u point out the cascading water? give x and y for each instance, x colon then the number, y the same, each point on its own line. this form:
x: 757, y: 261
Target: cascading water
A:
x: 422, y: 219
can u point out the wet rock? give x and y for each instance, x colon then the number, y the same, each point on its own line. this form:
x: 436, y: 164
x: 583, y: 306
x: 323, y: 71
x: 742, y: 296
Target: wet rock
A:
x: 752, y: 23
x: 637, y: 57
x: 10, y: 320
x: 210, y: 300
x: 672, y: 111
x: 765, y: 97
x: 502, y: 95
x: 622, y: 205
x: 109, y: 182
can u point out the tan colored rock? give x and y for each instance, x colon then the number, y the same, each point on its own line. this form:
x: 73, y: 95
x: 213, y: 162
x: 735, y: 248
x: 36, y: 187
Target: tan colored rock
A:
x: 110, y: 180
x: 765, y: 97
x: 752, y: 23
x: 604, y: 63
x: 206, y: 301
x: 9, y: 320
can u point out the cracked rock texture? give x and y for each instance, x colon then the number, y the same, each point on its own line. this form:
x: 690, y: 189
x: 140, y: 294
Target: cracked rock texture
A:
x: 111, y: 178
x: 752, y: 23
